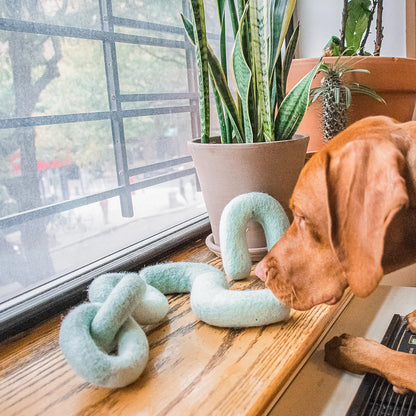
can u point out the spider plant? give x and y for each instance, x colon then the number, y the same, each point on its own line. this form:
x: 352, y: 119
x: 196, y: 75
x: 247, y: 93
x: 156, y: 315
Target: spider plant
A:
x: 261, y: 110
x: 336, y: 93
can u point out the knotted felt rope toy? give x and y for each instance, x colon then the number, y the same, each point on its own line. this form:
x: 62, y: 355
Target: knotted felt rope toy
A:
x: 103, y: 341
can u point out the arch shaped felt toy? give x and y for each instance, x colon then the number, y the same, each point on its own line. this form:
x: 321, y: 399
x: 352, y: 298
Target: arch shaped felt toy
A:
x: 236, y: 215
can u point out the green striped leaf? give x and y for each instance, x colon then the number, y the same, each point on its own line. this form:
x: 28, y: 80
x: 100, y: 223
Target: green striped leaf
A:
x: 293, y: 107
x: 189, y: 29
x: 221, y: 85
x: 223, y: 60
x: 201, y: 43
x: 242, y: 76
x: 259, y: 51
x: 280, y: 15
x: 233, y: 16
x: 220, y: 113
x: 287, y: 61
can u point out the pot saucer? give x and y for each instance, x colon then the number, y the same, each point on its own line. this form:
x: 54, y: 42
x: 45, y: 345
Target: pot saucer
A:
x: 256, y: 254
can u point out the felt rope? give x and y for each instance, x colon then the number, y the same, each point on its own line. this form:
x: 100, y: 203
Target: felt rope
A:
x: 103, y: 341
x: 151, y: 307
x: 253, y: 206
x: 211, y: 299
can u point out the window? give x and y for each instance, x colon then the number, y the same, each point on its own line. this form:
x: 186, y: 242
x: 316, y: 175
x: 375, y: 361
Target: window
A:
x: 98, y: 99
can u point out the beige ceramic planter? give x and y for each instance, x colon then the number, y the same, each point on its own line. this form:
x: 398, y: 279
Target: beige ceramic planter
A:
x: 227, y: 170
x: 393, y: 78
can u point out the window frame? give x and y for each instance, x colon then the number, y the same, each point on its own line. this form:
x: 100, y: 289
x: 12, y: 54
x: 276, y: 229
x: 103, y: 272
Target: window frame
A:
x: 25, y: 310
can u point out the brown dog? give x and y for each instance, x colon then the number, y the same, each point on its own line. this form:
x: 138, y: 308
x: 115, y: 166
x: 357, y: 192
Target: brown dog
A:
x: 354, y: 210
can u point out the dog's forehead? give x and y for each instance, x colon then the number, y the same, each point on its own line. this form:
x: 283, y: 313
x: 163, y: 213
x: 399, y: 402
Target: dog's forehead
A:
x: 311, y: 185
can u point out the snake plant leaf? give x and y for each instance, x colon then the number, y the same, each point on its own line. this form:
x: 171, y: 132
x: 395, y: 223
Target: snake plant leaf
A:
x: 287, y: 61
x: 241, y: 5
x: 242, y: 76
x: 223, y: 60
x: 189, y: 29
x: 294, y: 106
x: 219, y: 79
x: 281, y: 12
x: 233, y: 16
x: 223, y: 51
x: 221, y: 85
x: 220, y: 113
x: 200, y: 37
x: 281, y: 72
x: 276, y: 92
x: 258, y: 30
x: 218, y: 103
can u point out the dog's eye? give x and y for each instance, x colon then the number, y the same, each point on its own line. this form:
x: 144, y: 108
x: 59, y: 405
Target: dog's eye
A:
x: 301, y: 219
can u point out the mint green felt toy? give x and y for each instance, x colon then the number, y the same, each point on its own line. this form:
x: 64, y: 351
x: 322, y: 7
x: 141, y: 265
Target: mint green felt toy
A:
x: 90, y: 332
x: 236, y: 215
x: 211, y: 299
x: 103, y: 341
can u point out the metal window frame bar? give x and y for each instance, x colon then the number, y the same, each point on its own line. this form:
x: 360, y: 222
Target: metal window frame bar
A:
x: 114, y: 104
x: 160, y: 165
x: 36, y: 28
x: 37, y: 213
x: 10, y: 123
x: 116, y: 114
x: 159, y: 96
x: 141, y: 24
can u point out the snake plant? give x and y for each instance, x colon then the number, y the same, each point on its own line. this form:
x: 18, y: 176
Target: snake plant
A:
x: 261, y: 110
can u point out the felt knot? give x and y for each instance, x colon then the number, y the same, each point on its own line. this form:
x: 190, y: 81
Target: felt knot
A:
x: 92, y: 332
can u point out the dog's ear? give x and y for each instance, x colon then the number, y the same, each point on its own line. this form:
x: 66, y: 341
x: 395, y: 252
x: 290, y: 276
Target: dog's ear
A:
x: 365, y: 191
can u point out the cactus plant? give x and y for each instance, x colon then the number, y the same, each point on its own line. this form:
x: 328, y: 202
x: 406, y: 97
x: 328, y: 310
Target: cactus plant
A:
x: 335, y: 94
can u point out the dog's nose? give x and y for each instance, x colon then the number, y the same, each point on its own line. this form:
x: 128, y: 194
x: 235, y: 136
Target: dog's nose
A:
x: 261, y: 270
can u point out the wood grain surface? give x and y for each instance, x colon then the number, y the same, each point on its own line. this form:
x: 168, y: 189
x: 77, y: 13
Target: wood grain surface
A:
x: 193, y: 369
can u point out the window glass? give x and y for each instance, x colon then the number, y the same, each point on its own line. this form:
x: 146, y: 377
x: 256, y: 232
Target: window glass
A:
x: 93, y: 130
x: 137, y: 69
x: 156, y: 138
x: 78, y: 13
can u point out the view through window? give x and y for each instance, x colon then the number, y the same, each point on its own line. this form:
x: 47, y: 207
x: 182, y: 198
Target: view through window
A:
x: 98, y: 99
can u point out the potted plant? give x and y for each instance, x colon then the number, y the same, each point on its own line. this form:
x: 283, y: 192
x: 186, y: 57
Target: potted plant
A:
x: 393, y: 78
x: 335, y: 95
x: 258, y: 149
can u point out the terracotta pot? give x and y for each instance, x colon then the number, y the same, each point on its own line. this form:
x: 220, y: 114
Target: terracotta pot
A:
x: 392, y: 78
x: 227, y: 170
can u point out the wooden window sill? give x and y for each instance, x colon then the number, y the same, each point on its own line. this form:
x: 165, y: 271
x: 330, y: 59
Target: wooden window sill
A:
x: 193, y: 369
